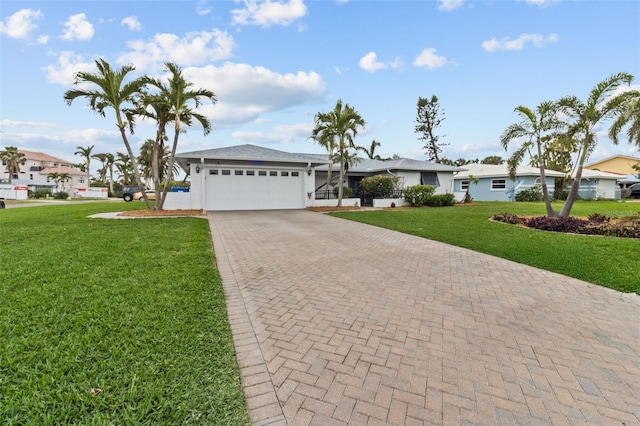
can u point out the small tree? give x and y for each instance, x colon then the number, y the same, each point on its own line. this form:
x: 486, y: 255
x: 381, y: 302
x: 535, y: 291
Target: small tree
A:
x: 86, y: 154
x: 379, y: 186
x: 428, y: 118
x: 13, y: 159
x: 601, y: 105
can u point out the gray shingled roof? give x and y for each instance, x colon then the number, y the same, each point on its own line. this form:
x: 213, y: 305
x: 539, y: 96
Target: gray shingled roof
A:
x: 366, y: 165
x: 251, y: 152
x: 259, y: 153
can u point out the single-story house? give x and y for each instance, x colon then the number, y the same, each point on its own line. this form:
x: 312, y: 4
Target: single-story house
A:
x: 249, y: 177
x: 494, y: 183
x: 410, y: 172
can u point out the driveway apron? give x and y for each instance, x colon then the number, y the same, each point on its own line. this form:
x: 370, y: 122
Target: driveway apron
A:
x: 336, y: 322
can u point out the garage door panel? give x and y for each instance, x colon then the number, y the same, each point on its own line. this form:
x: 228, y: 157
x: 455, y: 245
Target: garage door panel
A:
x: 243, y: 192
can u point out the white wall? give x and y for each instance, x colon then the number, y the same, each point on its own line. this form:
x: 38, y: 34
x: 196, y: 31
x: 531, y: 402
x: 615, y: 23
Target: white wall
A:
x: 14, y: 192
x: 92, y: 192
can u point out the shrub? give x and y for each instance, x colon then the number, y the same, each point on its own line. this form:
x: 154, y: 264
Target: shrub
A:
x: 598, y: 218
x: 417, y: 195
x: 346, y: 191
x: 379, y: 186
x: 40, y: 193
x: 61, y: 195
x: 532, y: 194
x: 560, y: 195
x: 557, y: 224
x: 441, y: 200
x: 510, y: 218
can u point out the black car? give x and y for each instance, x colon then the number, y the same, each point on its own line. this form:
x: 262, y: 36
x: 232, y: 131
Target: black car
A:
x: 635, y: 190
x: 128, y: 191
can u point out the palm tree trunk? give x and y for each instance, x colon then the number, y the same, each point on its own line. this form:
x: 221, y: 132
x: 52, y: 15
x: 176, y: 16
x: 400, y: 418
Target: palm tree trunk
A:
x: 341, y: 149
x: 132, y: 157
x: 543, y: 182
x: 174, y: 147
x: 575, y: 186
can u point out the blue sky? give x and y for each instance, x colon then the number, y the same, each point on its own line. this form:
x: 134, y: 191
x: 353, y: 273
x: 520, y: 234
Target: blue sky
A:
x: 274, y: 64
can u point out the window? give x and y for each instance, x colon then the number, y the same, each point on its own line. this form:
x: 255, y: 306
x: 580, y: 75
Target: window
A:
x: 273, y: 173
x: 31, y: 177
x: 226, y: 172
x: 239, y: 172
x: 464, y: 185
x: 213, y: 171
x: 429, y: 178
x: 295, y: 174
x: 251, y: 173
x: 284, y: 173
x: 262, y: 172
x: 80, y: 179
x: 498, y: 184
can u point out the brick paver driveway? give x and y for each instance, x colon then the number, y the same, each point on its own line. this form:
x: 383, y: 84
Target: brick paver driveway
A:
x: 337, y: 322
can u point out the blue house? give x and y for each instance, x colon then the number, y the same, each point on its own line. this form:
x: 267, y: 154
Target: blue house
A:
x: 494, y: 183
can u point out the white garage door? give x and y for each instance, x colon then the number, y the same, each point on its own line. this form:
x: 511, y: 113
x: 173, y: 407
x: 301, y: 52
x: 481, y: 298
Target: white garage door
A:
x: 254, y: 189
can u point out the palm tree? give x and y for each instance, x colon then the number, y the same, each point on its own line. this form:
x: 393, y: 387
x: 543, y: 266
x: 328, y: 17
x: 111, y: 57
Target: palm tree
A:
x: 328, y: 142
x: 123, y: 166
x: 535, y: 127
x: 102, y: 172
x: 60, y: 179
x: 86, y: 153
x: 341, y: 124
x: 111, y: 91
x: 109, y: 163
x: 601, y: 105
x: 631, y: 116
x: 173, y: 103
x: 371, y: 150
x: 13, y: 159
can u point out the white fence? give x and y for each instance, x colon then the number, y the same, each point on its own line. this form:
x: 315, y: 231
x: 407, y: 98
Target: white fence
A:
x: 14, y: 192
x: 92, y: 193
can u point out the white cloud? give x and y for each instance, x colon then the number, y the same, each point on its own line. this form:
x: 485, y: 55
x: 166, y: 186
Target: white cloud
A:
x: 69, y: 64
x: 280, y: 134
x: 541, y: 3
x: 194, y: 48
x: 43, y: 39
x: 245, y: 92
x: 132, y: 23
x: 77, y: 28
x: 267, y: 12
x: 538, y: 40
x: 21, y: 23
x: 428, y: 58
x: 6, y: 123
x: 449, y: 5
x: 369, y: 63
x: 202, y: 8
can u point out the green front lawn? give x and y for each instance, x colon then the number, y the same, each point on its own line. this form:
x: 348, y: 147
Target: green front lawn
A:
x: 607, y: 261
x: 112, y: 321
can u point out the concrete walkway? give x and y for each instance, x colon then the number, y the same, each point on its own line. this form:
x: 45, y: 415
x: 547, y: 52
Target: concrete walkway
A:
x: 337, y: 322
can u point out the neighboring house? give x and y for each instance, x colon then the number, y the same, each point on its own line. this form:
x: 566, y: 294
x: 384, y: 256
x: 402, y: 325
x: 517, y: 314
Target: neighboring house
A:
x: 494, y: 183
x: 35, y: 173
x: 596, y: 185
x: 619, y: 164
x: 249, y: 177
